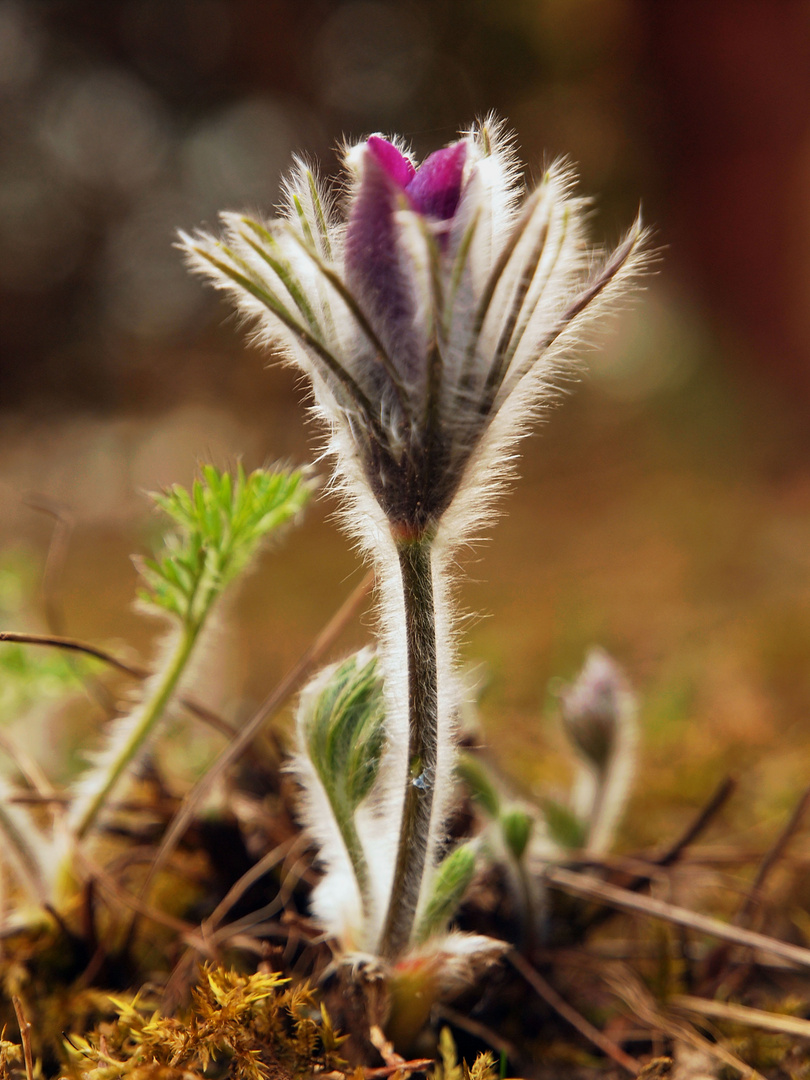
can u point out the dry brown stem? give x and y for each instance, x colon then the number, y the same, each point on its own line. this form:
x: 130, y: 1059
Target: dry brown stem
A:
x: 594, y: 889
x: 25, y: 1037
x: 569, y: 1013
x: 794, y: 1026
x: 134, y: 671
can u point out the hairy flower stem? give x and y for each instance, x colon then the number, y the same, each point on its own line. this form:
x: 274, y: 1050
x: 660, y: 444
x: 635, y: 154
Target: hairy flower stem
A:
x: 163, y: 688
x: 354, y: 849
x: 417, y: 588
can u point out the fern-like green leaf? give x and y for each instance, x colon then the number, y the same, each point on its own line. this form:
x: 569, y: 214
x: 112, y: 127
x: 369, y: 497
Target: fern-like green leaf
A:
x: 219, y: 526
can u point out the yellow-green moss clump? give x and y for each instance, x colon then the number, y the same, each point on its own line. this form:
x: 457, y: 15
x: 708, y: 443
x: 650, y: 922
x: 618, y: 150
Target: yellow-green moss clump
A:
x: 245, y: 1027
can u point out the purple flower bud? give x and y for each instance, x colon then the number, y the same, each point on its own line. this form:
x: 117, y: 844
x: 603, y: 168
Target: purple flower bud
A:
x: 433, y: 317
x: 399, y: 168
x: 381, y: 266
x: 595, y: 706
x: 434, y: 189
x: 376, y: 271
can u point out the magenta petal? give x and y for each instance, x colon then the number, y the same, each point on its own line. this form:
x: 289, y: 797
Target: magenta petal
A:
x: 400, y: 170
x: 376, y: 268
x: 436, y: 188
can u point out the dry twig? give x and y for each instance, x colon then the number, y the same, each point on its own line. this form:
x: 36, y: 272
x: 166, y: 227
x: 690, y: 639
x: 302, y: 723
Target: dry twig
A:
x: 771, y: 858
x: 795, y: 1026
x: 569, y: 1013
x: 586, y: 885
x: 25, y: 1037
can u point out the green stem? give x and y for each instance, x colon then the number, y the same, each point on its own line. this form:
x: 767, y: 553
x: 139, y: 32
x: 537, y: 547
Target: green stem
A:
x: 417, y: 587
x: 151, y: 713
x: 602, y: 779
x: 357, y: 857
x: 526, y: 902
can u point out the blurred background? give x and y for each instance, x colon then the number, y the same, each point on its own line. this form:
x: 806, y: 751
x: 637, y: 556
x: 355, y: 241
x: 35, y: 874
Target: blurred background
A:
x: 664, y: 511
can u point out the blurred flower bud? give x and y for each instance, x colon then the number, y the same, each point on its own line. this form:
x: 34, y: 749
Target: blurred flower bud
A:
x: 474, y: 774
x: 516, y: 827
x: 595, y: 707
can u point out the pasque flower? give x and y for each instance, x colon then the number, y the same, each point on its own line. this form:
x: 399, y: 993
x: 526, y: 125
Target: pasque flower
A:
x: 432, y: 311
x: 598, y: 712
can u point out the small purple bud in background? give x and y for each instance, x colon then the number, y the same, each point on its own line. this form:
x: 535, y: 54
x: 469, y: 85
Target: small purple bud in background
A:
x: 595, y: 706
x: 599, y: 718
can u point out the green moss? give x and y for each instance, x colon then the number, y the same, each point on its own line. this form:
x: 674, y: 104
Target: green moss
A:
x: 245, y: 1027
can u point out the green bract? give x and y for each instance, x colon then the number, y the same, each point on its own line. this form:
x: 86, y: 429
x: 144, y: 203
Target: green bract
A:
x: 516, y: 826
x: 342, y: 728
x: 449, y: 885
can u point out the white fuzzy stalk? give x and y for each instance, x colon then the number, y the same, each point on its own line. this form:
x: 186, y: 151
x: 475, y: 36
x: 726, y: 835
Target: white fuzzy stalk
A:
x: 127, y: 736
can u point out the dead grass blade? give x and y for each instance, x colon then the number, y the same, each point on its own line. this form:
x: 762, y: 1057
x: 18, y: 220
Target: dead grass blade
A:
x: 25, y: 1037
x: 628, y: 988
x: 771, y: 858
x: 240, y: 887
x: 590, y: 887
x: 717, y: 801
x: 570, y: 1014
x: 794, y: 1026
x: 672, y: 854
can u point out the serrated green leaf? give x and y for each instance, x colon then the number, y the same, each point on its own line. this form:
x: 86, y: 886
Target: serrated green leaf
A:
x: 220, y: 524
